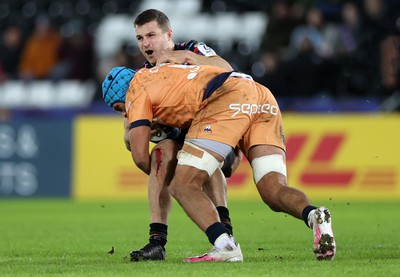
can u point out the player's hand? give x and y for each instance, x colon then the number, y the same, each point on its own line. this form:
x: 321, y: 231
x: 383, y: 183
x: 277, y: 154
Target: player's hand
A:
x: 177, y: 57
x: 238, y: 159
x: 232, y: 162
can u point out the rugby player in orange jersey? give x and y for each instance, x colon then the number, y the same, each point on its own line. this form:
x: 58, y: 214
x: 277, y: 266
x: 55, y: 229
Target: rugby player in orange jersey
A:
x: 155, y: 40
x: 222, y: 109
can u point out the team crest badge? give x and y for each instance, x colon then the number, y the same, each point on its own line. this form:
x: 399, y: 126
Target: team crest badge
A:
x: 207, y: 129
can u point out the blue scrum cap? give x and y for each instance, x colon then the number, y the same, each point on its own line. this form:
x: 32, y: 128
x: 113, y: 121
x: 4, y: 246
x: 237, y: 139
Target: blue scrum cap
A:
x: 116, y: 84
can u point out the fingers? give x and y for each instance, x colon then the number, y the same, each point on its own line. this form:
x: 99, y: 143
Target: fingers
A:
x: 174, y: 57
x: 161, y: 61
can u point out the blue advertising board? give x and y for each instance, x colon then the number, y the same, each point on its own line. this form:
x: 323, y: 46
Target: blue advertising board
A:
x: 35, y: 157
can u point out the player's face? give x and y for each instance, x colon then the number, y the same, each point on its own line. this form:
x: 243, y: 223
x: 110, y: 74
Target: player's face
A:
x: 153, y: 41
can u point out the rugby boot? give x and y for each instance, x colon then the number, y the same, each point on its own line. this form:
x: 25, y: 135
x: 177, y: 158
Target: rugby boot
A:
x: 324, y: 241
x: 150, y: 252
x: 231, y: 252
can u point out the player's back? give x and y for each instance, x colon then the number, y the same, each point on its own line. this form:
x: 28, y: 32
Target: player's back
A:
x: 173, y: 92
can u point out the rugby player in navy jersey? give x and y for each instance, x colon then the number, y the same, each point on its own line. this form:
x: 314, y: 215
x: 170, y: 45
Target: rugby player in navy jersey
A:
x: 155, y: 41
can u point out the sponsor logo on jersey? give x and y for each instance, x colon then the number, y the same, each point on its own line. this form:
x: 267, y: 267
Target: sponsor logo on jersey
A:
x: 205, y: 50
x: 253, y: 109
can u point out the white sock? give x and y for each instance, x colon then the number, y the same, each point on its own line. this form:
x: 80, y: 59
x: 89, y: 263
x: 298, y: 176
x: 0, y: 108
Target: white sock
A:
x: 310, y: 218
x: 225, y: 241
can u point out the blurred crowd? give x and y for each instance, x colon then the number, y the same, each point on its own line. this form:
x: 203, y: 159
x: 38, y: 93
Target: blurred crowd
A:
x: 45, y: 53
x: 310, y: 48
x: 351, y: 49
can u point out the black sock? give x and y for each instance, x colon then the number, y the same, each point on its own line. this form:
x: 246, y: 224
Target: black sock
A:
x: 306, y: 212
x: 215, y: 230
x: 158, y: 234
x: 224, y: 217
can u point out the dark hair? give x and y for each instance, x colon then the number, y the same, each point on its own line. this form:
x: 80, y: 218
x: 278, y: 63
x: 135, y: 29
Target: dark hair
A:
x: 153, y: 15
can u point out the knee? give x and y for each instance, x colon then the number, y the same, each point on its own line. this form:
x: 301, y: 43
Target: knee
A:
x: 270, y: 190
x: 270, y: 200
x: 186, y: 182
x: 272, y: 203
x: 163, y: 159
x: 266, y: 197
x: 173, y: 190
x: 176, y: 189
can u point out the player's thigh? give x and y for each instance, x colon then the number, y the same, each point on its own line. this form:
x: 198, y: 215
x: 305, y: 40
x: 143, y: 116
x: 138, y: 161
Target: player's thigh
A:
x: 261, y: 150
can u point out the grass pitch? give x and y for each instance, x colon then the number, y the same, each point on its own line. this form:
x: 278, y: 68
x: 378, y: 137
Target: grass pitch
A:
x: 58, y: 237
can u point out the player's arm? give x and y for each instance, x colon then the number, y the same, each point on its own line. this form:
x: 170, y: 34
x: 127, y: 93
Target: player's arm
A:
x: 126, y: 133
x: 238, y: 158
x: 139, y: 143
x: 189, y: 57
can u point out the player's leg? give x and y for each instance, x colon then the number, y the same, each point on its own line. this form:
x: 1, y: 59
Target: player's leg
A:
x: 216, y: 190
x: 273, y: 187
x: 186, y: 188
x: 268, y: 163
x: 163, y: 163
x: 217, y: 193
x: 264, y: 145
x: 195, y: 166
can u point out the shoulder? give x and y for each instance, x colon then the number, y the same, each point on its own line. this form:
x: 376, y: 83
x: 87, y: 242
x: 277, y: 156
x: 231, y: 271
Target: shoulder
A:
x: 197, y: 47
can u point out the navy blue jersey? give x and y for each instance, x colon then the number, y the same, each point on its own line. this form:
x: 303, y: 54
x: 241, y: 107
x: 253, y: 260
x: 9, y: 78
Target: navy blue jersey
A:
x: 199, y: 48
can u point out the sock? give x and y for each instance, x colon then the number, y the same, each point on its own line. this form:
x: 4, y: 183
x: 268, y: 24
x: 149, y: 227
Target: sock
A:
x: 158, y: 234
x: 215, y: 230
x: 223, y: 213
x: 225, y: 241
x: 305, y: 214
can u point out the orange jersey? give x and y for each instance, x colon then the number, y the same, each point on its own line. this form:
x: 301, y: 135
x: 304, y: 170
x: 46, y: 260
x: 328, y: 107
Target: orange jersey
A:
x: 168, y: 94
x: 240, y: 111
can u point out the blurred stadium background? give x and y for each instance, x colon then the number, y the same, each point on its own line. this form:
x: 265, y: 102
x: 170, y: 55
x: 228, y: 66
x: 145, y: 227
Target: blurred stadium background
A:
x: 334, y: 67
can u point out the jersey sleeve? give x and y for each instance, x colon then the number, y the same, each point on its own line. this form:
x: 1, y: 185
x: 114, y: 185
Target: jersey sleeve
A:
x: 138, y: 107
x: 199, y: 48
